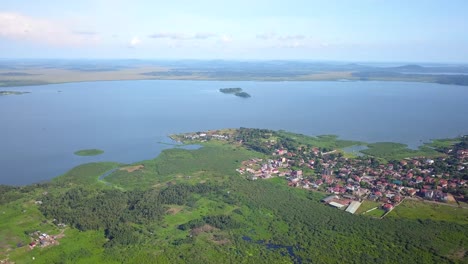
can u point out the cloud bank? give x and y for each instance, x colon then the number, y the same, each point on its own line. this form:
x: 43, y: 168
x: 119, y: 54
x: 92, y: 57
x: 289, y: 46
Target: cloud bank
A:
x: 19, y: 27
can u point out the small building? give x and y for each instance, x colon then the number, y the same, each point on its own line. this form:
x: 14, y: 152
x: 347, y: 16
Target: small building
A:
x: 429, y: 194
x: 387, y: 207
x: 329, y: 198
x: 352, y: 208
x: 337, y: 205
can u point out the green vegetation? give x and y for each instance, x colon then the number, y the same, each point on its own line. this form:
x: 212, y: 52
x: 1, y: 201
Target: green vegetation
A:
x: 213, y: 162
x: 230, y: 90
x: 327, y: 142
x: 367, y: 205
x: 442, y: 144
x: 89, y: 152
x: 426, y: 210
x: 396, y: 151
x: 235, y: 91
x: 242, y: 94
x: 192, y: 206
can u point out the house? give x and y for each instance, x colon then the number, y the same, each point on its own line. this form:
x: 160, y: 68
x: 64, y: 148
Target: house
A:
x: 397, y: 198
x: 443, y: 182
x: 387, y: 207
x: 329, y: 198
x: 297, y: 173
x: 429, y: 194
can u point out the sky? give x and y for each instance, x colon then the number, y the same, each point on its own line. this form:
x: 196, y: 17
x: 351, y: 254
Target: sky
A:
x: 323, y: 30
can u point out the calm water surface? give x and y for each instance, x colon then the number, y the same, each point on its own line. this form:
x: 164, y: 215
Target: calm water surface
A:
x: 40, y: 131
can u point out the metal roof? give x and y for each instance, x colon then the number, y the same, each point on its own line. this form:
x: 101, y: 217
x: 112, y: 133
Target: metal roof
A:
x: 352, y: 208
x: 336, y: 204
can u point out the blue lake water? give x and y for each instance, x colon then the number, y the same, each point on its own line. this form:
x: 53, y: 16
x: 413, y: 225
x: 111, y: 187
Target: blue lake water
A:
x: 40, y: 131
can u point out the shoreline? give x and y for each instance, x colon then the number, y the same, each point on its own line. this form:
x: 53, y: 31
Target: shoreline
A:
x: 274, y: 80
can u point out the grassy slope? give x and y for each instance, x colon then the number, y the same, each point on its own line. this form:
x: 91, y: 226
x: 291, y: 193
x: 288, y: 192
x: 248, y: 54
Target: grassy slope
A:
x: 422, y: 210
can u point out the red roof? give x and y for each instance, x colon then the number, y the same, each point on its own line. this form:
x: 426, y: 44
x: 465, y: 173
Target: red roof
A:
x: 387, y: 206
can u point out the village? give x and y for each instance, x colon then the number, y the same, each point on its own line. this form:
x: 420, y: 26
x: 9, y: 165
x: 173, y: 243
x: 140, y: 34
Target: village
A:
x: 40, y: 239
x: 350, y: 181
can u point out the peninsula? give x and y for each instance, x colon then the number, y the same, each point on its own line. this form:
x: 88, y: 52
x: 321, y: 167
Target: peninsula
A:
x: 252, y: 195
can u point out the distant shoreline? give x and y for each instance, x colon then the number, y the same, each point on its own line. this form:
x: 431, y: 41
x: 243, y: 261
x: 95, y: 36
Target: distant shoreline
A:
x: 29, y: 84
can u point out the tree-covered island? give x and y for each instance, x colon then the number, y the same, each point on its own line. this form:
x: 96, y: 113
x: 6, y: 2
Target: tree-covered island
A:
x: 89, y: 152
x: 235, y: 91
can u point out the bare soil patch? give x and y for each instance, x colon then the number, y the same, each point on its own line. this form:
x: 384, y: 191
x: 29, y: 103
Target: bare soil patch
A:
x: 202, y: 229
x: 173, y: 210
x: 131, y: 169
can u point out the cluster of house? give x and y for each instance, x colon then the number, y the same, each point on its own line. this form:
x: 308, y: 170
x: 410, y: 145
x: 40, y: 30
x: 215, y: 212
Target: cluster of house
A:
x: 255, y: 168
x: 206, y: 135
x: 42, y: 240
x: 358, y: 178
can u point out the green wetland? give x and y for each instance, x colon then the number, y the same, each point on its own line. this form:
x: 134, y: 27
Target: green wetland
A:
x: 190, y: 205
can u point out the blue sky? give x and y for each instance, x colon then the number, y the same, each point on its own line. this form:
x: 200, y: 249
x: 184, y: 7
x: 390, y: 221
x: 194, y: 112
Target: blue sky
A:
x: 346, y: 30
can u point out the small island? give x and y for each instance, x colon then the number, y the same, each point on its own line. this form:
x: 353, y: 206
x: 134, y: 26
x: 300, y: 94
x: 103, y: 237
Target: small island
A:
x: 235, y: 91
x: 12, y: 93
x: 89, y: 152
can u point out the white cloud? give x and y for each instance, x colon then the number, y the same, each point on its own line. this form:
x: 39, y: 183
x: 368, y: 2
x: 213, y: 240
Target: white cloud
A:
x: 266, y: 36
x: 25, y: 28
x: 181, y: 36
x: 294, y: 45
x: 134, y: 42
x: 291, y: 37
x: 225, y: 38
x: 271, y: 35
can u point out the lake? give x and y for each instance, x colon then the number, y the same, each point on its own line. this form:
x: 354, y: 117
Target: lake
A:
x: 41, y: 130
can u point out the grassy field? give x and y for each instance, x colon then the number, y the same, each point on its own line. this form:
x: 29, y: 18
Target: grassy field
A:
x: 443, y: 143
x: 213, y: 162
x: 397, y: 151
x: 423, y: 210
x: 366, y: 205
x: 377, y: 213
x: 323, y: 141
x: 89, y: 152
x: 86, y: 174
